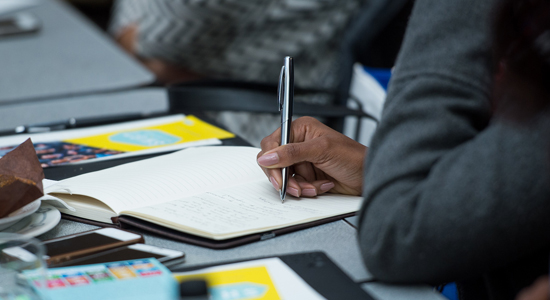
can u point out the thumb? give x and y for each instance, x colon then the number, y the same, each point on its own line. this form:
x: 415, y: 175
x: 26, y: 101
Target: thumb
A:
x: 290, y: 154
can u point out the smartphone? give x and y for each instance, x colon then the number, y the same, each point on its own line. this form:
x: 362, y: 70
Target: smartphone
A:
x: 19, y: 23
x: 77, y: 245
x: 165, y: 256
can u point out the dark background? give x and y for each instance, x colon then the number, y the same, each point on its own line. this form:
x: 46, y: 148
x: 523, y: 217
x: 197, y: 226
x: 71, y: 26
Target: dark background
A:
x: 98, y: 11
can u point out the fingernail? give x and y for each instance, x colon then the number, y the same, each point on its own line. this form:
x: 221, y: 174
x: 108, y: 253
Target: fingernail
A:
x: 326, y: 186
x: 292, y: 191
x: 268, y: 159
x: 309, y: 192
x: 274, y: 183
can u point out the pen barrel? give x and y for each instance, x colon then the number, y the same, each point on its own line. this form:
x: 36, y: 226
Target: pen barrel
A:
x: 288, y: 90
x: 284, y: 172
x: 286, y: 107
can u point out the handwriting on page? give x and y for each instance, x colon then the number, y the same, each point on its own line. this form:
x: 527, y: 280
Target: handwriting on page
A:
x: 246, y: 208
x: 167, y: 177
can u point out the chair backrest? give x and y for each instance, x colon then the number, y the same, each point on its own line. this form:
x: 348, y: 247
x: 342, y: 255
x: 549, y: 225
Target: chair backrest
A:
x: 373, y: 39
x: 227, y: 95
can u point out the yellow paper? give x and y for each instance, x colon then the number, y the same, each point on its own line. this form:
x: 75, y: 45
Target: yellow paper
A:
x: 247, y: 283
x: 189, y: 129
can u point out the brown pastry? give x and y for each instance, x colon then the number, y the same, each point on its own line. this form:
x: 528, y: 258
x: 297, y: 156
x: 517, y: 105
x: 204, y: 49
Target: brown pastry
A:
x: 20, y: 178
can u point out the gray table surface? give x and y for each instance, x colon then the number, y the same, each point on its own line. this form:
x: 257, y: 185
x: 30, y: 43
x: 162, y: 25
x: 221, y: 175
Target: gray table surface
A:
x: 142, y: 101
x: 7, y: 7
x: 69, y: 56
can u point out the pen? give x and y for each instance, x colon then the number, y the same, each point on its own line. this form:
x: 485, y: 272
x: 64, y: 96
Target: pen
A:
x: 285, y: 95
x: 71, y: 123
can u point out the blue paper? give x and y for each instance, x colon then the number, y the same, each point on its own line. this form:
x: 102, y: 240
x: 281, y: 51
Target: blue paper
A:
x: 132, y: 279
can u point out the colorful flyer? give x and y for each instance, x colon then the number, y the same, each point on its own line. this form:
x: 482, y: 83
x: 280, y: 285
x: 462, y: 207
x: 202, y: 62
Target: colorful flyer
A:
x: 117, y: 280
x: 145, y: 268
x: 188, y: 129
x: 100, y: 276
x: 141, y: 137
x: 246, y: 283
x: 54, y: 281
x: 77, y: 278
x: 121, y: 270
x: 268, y: 278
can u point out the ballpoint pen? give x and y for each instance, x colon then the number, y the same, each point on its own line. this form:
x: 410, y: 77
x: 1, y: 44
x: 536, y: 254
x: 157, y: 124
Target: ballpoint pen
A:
x: 285, y: 97
x: 72, y: 123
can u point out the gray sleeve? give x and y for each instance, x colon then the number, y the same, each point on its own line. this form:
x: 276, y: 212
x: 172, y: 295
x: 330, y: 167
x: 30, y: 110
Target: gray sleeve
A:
x: 449, y: 191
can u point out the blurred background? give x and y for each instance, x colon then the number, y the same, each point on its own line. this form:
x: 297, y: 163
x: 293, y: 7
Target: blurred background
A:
x: 98, y: 11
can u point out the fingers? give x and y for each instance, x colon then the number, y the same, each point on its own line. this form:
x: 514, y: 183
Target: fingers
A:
x: 313, y: 188
x: 268, y: 143
x: 309, y: 151
x: 538, y: 290
x: 310, y: 142
x: 297, y: 186
x: 127, y: 38
x: 304, y: 130
x: 271, y: 141
x: 306, y: 171
x: 276, y: 179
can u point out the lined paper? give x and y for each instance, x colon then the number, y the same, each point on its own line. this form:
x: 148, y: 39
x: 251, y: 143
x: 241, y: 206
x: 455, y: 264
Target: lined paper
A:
x: 165, y: 178
x: 246, y: 208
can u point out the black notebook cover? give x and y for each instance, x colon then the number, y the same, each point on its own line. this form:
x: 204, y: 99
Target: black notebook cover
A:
x: 129, y: 223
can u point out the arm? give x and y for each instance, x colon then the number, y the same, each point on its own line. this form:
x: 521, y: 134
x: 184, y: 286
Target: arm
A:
x: 160, y: 33
x: 448, y: 195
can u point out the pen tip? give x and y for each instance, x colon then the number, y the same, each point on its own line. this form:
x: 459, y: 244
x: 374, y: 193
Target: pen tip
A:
x: 282, y: 196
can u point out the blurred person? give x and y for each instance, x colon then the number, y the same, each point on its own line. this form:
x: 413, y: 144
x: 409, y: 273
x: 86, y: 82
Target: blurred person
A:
x: 236, y: 39
x: 240, y: 40
x: 457, y: 180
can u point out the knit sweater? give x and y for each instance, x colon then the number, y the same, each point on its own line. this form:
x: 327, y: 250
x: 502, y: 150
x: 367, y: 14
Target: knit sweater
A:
x: 453, y: 191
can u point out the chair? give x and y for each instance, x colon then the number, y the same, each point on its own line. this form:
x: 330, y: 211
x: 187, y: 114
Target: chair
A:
x: 373, y: 39
x: 227, y: 95
x: 374, y: 19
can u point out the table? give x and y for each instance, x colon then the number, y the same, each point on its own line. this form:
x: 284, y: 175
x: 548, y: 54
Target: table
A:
x: 69, y: 56
x: 89, y: 76
x: 9, y: 6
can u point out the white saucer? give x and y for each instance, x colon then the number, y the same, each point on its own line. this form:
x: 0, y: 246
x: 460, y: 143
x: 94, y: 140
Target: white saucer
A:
x: 44, y: 219
x: 19, y: 214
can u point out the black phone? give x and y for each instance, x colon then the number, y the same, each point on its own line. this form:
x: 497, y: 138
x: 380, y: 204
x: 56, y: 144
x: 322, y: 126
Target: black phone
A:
x: 165, y: 256
x: 66, y: 248
x: 20, y: 23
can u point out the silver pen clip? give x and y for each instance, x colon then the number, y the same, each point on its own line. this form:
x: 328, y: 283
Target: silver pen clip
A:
x: 280, y: 88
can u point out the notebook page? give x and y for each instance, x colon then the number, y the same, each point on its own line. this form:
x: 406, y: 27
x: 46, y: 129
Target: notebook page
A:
x: 248, y: 208
x: 165, y: 178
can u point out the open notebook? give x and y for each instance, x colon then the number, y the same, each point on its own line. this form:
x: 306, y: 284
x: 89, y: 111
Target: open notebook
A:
x: 211, y: 196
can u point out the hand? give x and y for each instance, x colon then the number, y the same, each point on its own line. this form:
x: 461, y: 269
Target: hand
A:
x: 537, y: 291
x: 165, y: 72
x: 322, y: 159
